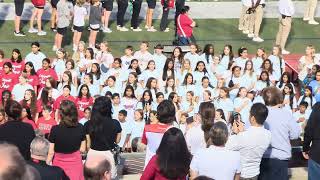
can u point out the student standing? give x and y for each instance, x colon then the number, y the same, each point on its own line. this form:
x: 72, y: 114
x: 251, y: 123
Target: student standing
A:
x: 258, y: 15
x: 286, y: 10
x: 136, y: 7
x: 107, y: 9
x: 37, y: 13
x: 185, y: 27
x: 122, y: 8
x: 80, y: 12
x: 18, y: 4
x: 167, y: 5
x: 310, y: 11
x: 150, y: 9
x: 94, y: 21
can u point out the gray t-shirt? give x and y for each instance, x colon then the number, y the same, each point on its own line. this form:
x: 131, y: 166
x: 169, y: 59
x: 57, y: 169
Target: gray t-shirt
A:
x: 64, y: 14
x: 95, y: 15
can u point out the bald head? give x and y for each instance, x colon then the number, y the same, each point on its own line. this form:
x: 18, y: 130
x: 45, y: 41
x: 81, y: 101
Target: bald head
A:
x: 97, y: 167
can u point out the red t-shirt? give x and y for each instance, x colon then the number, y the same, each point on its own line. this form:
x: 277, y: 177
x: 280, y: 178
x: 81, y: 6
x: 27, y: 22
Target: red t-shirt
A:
x: 185, y: 23
x: 8, y: 81
x: 83, y: 103
x: 43, y: 75
x: 33, y: 80
x: 1, y: 66
x: 45, y: 125
x: 152, y: 171
x: 17, y: 68
x: 28, y: 121
x: 58, y: 101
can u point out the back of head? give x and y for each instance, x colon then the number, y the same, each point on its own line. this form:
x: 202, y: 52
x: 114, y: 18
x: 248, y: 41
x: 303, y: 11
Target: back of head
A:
x: 272, y: 96
x: 207, y: 113
x: 68, y: 113
x: 166, y: 112
x: 101, y: 110
x: 203, y: 178
x: 31, y: 173
x: 260, y: 112
x: 39, y: 148
x: 12, y: 164
x: 97, y: 167
x: 13, y: 110
x: 173, y: 155
x: 218, y: 134
x: 185, y: 9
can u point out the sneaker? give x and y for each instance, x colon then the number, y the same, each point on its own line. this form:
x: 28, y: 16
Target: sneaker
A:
x: 42, y: 33
x: 313, y: 22
x: 20, y: 33
x: 285, y: 51
x: 54, y: 48
x: 146, y: 27
x: 240, y: 29
x: 151, y: 29
x: 306, y: 19
x: 32, y: 30
x: 250, y: 35
x: 245, y: 31
x: 167, y: 30
x: 257, y: 39
x: 54, y: 29
x: 107, y: 30
x: 123, y: 29
x: 137, y: 29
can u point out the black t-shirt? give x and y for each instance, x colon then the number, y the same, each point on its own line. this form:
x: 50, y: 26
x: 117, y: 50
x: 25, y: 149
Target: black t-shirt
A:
x: 49, y: 172
x: 67, y: 139
x: 104, y: 139
x: 20, y: 134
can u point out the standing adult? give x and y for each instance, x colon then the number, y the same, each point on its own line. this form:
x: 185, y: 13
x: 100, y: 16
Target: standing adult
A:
x: 67, y: 140
x: 18, y: 4
x: 152, y: 133
x: 16, y: 132
x: 179, y: 5
x: 122, y: 8
x: 286, y: 10
x: 185, y: 27
x: 136, y: 8
x: 280, y: 122
x: 103, y: 132
x: 257, y: 19
x: 310, y: 11
x: 172, y: 159
x: 149, y: 15
x: 311, y: 146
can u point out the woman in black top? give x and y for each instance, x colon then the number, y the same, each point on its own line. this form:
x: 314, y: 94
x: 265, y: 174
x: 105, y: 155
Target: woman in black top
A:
x: 16, y: 132
x: 66, y: 139
x: 102, y: 131
x: 312, y: 136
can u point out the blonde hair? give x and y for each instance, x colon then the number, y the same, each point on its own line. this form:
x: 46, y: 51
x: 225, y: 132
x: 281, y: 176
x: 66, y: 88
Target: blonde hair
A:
x: 313, y: 50
x: 80, y: 3
x: 182, y: 67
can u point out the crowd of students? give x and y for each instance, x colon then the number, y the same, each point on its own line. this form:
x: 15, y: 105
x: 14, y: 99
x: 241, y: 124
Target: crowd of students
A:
x: 137, y: 82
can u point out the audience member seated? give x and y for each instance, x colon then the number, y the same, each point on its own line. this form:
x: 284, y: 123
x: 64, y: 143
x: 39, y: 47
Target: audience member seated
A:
x: 97, y: 167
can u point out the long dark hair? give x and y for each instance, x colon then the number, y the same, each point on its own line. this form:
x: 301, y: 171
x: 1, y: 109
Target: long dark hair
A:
x: 268, y: 78
x: 270, y: 70
x: 180, y: 57
x: 205, y: 71
x: 207, y: 113
x: 230, y: 53
x: 174, y: 157
x: 101, y: 111
x: 19, y: 60
x: 33, y: 103
x: 68, y: 113
x: 3, y: 95
x: 148, y: 84
x: 311, y: 97
x: 135, y: 84
x: 281, y: 79
x: 131, y: 88
x: 138, y: 70
x: 45, y: 99
x: 291, y: 96
x: 98, y: 73
x: 165, y: 69
x: 184, y: 83
x: 143, y: 101
x: 33, y: 71
x: 170, y: 98
x: 206, y: 52
x: 13, y: 110
x: 80, y: 95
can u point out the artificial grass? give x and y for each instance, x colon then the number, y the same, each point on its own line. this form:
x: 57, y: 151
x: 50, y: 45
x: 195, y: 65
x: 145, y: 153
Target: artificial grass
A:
x: 216, y: 31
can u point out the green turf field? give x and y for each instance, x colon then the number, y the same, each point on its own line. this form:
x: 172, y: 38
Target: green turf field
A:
x: 219, y: 32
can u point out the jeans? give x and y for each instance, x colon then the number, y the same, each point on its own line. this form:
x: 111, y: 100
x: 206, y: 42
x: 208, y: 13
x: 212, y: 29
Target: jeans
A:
x: 122, y: 7
x: 273, y: 169
x: 164, y: 19
x: 136, y: 7
x: 313, y: 170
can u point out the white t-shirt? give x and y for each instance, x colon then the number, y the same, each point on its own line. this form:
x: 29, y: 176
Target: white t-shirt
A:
x: 79, y: 15
x: 136, y: 129
x: 245, y: 112
x: 19, y: 90
x: 36, y: 59
x: 195, y: 139
x: 126, y: 61
x: 194, y: 59
x: 143, y: 58
x: 216, y: 162
x: 251, y: 144
x: 126, y: 129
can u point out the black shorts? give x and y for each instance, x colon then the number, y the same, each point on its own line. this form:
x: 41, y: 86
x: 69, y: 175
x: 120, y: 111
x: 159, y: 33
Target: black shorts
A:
x: 107, y: 4
x: 94, y: 27
x: 151, y: 4
x: 54, y: 3
x: 19, y: 4
x: 42, y: 7
x: 78, y: 28
x: 62, y: 31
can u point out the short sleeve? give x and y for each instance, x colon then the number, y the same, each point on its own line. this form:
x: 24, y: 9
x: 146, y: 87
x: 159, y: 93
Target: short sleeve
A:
x: 52, y: 135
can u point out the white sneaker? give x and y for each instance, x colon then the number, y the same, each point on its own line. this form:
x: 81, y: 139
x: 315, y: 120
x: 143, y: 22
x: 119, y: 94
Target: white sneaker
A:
x: 42, y: 33
x: 19, y: 34
x: 137, y: 29
x: 32, y: 30
x: 107, y: 30
x: 151, y: 29
x: 257, y: 39
x: 167, y: 30
x: 146, y: 27
x: 313, y: 22
x: 123, y: 29
x: 54, y: 48
x: 285, y: 51
x: 245, y: 31
x: 250, y: 35
x: 306, y: 19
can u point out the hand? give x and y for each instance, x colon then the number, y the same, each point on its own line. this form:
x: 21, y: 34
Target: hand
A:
x: 305, y: 155
x: 235, y: 128
x: 301, y: 119
x: 240, y: 126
